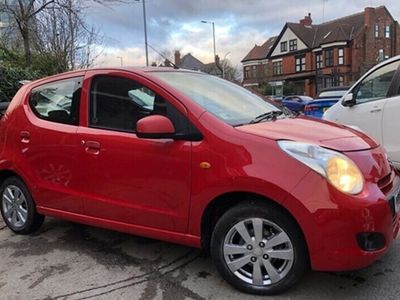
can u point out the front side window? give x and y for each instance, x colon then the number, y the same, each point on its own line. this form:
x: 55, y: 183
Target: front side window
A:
x: 376, y: 85
x: 329, y: 58
x: 293, y: 45
x: 229, y: 102
x: 300, y: 63
x: 117, y: 103
x: 58, y: 101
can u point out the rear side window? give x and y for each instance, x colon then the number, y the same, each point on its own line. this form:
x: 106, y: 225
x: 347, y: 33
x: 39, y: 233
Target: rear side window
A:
x: 376, y: 85
x: 58, y: 101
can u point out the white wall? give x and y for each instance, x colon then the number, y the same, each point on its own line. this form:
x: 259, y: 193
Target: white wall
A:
x: 288, y: 35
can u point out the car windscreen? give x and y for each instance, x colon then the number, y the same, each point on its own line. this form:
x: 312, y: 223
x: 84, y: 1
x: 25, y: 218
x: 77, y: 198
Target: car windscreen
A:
x: 227, y: 101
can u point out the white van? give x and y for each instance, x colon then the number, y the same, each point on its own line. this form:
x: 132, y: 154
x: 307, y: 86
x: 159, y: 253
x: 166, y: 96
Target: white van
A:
x: 373, y: 105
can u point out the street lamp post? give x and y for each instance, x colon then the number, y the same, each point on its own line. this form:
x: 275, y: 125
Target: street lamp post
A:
x: 145, y: 31
x: 213, y: 29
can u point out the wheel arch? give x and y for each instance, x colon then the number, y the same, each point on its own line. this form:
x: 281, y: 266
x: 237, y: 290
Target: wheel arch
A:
x: 222, y: 203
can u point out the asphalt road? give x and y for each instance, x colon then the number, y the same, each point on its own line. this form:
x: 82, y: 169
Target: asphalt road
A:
x: 70, y: 261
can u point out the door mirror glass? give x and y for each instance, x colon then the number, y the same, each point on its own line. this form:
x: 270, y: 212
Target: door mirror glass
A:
x: 155, y: 127
x: 348, y: 100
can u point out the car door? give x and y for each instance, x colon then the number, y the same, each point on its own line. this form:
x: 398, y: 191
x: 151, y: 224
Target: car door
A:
x: 369, y: 98
x: 48, y: 145
x: 391, y: 124
x: 129, y: 179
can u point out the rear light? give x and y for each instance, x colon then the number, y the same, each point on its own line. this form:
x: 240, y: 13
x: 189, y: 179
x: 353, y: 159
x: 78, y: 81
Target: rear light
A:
x: 311, y: 108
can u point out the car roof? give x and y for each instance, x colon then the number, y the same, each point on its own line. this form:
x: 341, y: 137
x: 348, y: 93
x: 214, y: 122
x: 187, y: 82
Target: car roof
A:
x: 335, y: 88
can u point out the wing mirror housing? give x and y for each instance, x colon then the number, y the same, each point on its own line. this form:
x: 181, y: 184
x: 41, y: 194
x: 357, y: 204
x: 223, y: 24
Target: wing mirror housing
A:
x: 155, y: 127
x: 348, y: 100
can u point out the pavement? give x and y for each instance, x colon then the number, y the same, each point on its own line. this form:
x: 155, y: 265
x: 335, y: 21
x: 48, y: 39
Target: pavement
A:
x: 71, y: 261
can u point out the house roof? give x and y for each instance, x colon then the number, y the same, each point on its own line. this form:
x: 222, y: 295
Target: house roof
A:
x: 337, y: 30
x: 260, y: 52
x: 191, y: 63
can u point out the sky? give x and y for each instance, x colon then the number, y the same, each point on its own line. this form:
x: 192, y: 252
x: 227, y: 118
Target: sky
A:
x: 176, y: 25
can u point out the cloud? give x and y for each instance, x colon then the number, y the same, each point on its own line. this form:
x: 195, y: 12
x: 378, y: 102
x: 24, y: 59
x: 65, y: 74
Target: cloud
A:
x: 175, y: 24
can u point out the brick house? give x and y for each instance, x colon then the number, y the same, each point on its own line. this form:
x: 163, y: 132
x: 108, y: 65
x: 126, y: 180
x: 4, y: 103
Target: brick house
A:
x: 335, y: 53
x: 256, y: 65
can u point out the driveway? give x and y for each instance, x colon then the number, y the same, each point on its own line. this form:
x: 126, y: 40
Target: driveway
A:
x: 71, y: 261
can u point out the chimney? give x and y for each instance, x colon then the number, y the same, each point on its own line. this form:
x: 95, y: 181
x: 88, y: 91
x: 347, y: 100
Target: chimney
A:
x: 369, y: 14
x: 177, y: 57
x: 307, y: 21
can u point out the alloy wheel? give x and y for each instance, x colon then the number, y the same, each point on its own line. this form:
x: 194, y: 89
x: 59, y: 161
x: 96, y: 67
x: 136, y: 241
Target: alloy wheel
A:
x: 258, y: 252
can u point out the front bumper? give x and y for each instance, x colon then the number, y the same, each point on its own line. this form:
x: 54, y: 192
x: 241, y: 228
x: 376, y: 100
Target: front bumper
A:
x: 333, y: 222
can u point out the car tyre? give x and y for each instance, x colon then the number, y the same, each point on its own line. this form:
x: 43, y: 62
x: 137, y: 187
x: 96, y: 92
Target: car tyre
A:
x: 18, y: 208
x: 259, y: 249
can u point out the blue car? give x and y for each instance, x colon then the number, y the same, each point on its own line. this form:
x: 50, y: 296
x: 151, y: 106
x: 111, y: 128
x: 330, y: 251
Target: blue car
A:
x: 296, y: 103
x: 325, y: 99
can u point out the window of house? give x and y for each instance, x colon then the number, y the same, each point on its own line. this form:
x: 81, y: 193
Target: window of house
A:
x: 341, y: 80
x: 254, y: 71
x: 318, y: 60
x: 58, y: 101
x: 266, y: 70
x: 277, y: 68
x: 376, y: 85
x: 329, y: 58
x: 246, y: 72
x: 283, y: 46
x: 328, y: 82
x: 381, y: 55
x: 293, y: 45
x: 376, y: 30
x: 117, y: 103
x: 387, y: 31
x: 341, y: 56
x: 300, y: 63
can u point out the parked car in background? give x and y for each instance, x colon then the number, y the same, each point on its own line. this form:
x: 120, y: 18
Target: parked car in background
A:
x: 296, y: 103
x: 193, y: 159
x: 373, y: 105
x: 325, y: 99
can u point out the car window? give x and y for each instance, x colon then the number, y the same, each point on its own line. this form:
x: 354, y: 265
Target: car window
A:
x: 376, y: 85
x: 117, y: 103
x: 58, y: 101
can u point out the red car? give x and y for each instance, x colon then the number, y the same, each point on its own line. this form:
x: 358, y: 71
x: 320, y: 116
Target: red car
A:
x: 190, y: 158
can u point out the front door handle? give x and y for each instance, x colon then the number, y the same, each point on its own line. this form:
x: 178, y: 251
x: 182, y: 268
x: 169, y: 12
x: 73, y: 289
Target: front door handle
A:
x: 375, y: 110
x: 92, y: 147
x: 25, y: 137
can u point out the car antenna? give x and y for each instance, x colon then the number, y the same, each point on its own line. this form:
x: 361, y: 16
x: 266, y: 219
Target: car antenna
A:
x: 174, y: 65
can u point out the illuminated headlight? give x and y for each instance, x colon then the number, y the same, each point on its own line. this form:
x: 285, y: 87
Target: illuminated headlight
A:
x: 337, y: 168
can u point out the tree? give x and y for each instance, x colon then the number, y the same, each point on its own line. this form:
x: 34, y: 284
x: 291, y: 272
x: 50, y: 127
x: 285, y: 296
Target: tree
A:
x: 23, y: 13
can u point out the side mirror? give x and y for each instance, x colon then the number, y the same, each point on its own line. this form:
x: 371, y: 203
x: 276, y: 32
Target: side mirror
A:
x: 348, y: 100
x: 155, y: 127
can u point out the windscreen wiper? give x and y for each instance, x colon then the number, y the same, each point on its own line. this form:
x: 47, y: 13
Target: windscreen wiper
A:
x: 265, y: 116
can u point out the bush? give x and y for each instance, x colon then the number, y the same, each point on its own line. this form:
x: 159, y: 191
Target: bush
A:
x: 9, y: 80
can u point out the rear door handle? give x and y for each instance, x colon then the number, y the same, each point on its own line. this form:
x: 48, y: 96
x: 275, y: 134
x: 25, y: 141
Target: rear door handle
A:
x: 25, y: 137
x: 92, y: 147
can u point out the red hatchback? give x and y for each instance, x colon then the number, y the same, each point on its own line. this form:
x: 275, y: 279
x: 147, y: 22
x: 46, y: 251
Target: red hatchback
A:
x: 189, y: 158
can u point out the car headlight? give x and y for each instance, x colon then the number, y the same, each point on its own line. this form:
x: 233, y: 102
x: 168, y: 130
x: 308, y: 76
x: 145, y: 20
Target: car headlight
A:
x: 337, y: 168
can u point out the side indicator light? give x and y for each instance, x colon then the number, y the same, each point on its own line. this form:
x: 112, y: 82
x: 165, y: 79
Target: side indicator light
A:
x: 205, y: 165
